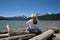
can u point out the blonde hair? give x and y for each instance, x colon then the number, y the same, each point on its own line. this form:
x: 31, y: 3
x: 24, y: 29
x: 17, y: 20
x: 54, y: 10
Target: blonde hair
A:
x: 34, y: 15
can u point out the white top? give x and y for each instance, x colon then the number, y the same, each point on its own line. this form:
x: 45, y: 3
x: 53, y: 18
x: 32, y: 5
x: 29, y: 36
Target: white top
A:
x: 31, y: 25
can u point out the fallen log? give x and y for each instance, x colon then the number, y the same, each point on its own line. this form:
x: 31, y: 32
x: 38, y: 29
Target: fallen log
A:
x: 56, y: 29
x: 25, y: 36
x: 4, y: 35
x: 44, y: 35
x: 57, y: 36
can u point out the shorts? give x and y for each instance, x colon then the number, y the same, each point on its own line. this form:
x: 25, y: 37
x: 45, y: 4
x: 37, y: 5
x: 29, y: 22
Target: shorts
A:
x: 35, y: 31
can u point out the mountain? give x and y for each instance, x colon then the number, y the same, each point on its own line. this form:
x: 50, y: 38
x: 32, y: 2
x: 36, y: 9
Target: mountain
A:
x: 13, y: 18
x: 2, y: 18
x: 17, y: 18
x: 40, y: 17
x: 49, y: 17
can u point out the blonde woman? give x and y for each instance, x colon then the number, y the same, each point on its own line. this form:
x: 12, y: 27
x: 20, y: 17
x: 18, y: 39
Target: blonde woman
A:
x: 33, y: 25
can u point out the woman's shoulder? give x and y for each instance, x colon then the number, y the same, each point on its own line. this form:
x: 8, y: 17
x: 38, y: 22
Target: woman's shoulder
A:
x: 29, y: 21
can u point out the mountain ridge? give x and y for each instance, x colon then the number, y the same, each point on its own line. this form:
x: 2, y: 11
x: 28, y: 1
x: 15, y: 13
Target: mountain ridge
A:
x: 41, y: 17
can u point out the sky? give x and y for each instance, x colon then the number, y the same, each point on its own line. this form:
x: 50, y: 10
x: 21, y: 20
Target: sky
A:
x: 9, y: 8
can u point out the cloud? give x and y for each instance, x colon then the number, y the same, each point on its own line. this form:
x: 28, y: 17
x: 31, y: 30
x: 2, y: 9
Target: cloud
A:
x: 49, y: 13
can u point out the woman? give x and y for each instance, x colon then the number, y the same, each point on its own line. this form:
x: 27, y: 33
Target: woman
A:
x: 33, y: 25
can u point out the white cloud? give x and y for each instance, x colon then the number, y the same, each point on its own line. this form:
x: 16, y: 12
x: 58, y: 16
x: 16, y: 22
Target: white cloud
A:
x: 49, y: 13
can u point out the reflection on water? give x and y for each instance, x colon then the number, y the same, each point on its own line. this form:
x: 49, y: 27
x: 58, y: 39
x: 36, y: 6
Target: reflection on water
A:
x: 18, y: 25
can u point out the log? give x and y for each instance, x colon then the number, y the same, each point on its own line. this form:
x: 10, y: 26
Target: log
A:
x: 44, y: 35
x: 56, y: 29
x: 25, y: 36
x: 57, y: 36
x: 4, y: 35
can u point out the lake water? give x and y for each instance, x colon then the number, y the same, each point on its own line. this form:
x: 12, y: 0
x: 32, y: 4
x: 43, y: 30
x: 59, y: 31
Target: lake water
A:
x: 19, y: 25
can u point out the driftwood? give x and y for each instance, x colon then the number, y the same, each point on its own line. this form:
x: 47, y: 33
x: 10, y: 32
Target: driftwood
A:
x: 57, y: 36
x: 44, y: 35
x: 4, y: 35
x: 13, y: 34
x: 56, y: 30
x: 22, y: 35
x: 26, y: 36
